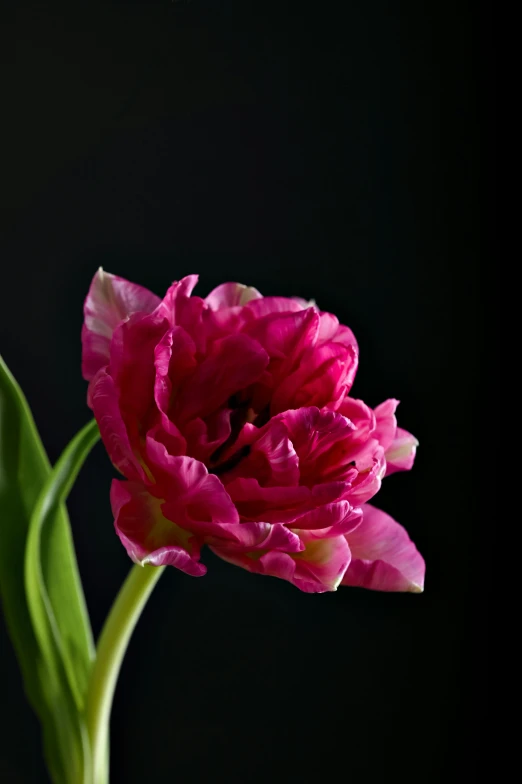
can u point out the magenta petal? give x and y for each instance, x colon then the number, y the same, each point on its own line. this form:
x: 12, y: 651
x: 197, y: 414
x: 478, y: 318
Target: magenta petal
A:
x: 270, y: 504
x: 193, y: 498
x: 318, y: 568
x: 110, y: 300
x: 324, y: 376
x: 146, y: 535
x: 204, y: 436
x: 335, y: 519
x: 285, y: 335
x: 229, y: 295
x: 245, y: 537
x: 233, y: 363
x: 104, y: 401
x: 383, y: 556
x: 272, y: 459
x: 400, y: 455
x: 267, y: 305
x: 132, y: 366
x: 361, y: 416
x: 174, y: 359
x: 386, y: 422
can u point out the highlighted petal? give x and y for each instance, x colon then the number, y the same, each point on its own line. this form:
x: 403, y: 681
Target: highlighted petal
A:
x: 318, y: 568
x: 400, y: 456
x: 230, y: 295
x: 147, y: 536
x: 110, y: 300
x: 383, y: 556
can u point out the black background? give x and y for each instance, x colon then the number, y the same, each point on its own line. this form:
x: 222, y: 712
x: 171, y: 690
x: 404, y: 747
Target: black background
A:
x: 329, y: 152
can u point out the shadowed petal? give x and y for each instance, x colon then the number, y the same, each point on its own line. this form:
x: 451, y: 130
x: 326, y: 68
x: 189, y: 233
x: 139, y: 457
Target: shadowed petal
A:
x: 104, y: 400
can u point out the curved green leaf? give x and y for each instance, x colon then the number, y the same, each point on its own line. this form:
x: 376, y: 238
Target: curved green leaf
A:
x: 41, y: 591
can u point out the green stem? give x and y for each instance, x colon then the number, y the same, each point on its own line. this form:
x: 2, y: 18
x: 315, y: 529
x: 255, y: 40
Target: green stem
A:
x: 112, y: 645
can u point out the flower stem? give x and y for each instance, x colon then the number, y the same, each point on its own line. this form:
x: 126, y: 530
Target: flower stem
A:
x: 112, y: 645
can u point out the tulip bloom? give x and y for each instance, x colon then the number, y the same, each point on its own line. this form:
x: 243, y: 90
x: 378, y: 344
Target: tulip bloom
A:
x: 231, y: 421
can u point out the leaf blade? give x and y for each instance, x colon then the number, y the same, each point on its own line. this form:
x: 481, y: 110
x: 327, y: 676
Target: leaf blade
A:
x: 55, y: 657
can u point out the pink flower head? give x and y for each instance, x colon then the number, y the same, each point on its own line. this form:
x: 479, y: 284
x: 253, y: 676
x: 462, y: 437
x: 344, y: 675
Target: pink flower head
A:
x: 230, y: 419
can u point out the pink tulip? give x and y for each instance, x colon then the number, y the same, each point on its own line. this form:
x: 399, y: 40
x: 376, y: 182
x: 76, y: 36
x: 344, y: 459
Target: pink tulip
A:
x: 230, y: 419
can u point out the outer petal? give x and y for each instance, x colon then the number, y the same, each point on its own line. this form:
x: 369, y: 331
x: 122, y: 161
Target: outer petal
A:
x: 193, y: 498
x: 247, y: 537
x: 110, y: 300
x: 324, y: 376
x: 318, y: 568
x: 229, y: 295
x: 361, y: 416
x: 383, y: 556
x: 104, y: 402
x: 386, y: 422
x: 266, y: 305
x: 146, y: 535
x: 329, y: 520
x: 132, y: 367
x: 400, y: 455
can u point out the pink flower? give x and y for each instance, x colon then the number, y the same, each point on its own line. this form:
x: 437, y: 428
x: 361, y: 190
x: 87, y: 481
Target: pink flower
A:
x: 230, y: 419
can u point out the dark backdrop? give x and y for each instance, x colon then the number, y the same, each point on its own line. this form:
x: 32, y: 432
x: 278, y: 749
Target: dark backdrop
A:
x: 302, y: 151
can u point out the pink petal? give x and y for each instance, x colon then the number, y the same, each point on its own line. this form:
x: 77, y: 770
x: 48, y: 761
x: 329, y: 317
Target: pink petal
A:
x: 270, y: 504
x: 271, y: 460
x: 193, y: 498
x: 204, y: 436
x: 145, y: 533
x: 285, y: 335
x: 323, y: 377
x: 400, y: 455
x: 329, y: 520
x: 174, y: 359
x: 361, y: 416
x: 386, y: 423
x: 331, y: 331
x: 383, y: 556
x: 368, y: 482
x: 110, y: 300
x: 232, y: 364
x: 318, y: 568
x: 246, y: 537
x: 322, y: 441
x: 132, y: 367
x: 229, y: 295
x: 104, y: 400
x: 267, y: 305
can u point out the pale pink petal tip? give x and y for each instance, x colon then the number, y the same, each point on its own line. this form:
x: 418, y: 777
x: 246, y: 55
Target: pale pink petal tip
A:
x: 110, y: 300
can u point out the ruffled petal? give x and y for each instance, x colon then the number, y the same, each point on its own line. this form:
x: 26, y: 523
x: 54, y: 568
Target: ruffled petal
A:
x: 232, y: 364
x: 400, y: 455
x: 386, y: 422
x: 193, y: 498
x: 147, y: 536
x: 110, y: 300
x: 104, y: 399
x: 318, y: 568
x: 229, y: 295
x: 383, y: 556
